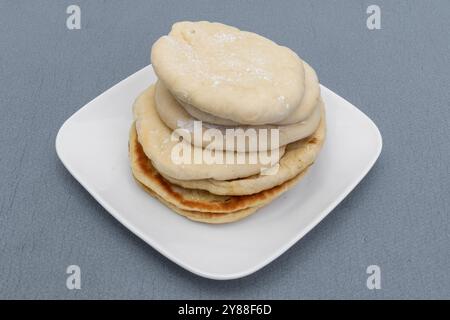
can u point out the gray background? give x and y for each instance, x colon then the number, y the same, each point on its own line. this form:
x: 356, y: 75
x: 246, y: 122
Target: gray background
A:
x: 397, y: 218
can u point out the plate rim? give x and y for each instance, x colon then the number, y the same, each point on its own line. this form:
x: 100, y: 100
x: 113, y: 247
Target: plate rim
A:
x: 154, y: 243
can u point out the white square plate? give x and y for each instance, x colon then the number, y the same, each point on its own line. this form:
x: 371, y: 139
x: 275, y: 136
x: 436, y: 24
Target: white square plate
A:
x: 93, y: 146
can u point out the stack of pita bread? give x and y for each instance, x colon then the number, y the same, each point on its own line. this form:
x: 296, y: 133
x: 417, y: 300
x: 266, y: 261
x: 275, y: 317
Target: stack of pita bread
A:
x: 227, y: 79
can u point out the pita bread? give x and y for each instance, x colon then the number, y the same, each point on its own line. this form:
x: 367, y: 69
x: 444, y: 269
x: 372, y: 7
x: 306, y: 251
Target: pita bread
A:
x: 191, y: 199
x: 205, y: 217
x: 175, y: 116
x: 158, y: 144
x: 310, y: 99
x: 219, y: 68
x: 299, y: 156
x: 301, y: 113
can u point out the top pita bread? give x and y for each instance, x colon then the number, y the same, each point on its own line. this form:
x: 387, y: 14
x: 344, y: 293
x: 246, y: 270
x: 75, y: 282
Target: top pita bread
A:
x: 310, y: 99
x: 219, y: 69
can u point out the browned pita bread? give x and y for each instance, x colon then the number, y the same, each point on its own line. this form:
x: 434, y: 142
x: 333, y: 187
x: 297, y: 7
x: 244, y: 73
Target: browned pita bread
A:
x: 198, y: 201
x: 206, y: 217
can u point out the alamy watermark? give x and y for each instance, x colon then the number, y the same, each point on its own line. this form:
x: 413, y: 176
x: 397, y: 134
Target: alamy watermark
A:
x: 229, y: 147
x: 374, y: 20
x: 73, y: 281
x: 374, y: 280
x: 73, y: 21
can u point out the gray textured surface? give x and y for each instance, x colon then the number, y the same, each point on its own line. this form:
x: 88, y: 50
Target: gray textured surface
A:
x: 397, y: 218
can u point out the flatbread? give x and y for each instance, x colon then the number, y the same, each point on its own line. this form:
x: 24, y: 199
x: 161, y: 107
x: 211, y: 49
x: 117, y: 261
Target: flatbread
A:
x: 195, y: 200
x: 309, y: 101
x: 175, y: 116
x: 219, y: 69
x: 299, y: 156
x: 156, y: 140
x: 205, y: 217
